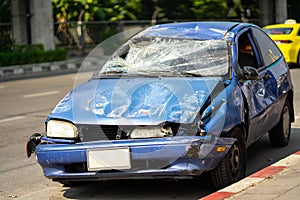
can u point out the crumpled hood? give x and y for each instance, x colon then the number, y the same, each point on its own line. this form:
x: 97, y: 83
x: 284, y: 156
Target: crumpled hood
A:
x: 133, y: 101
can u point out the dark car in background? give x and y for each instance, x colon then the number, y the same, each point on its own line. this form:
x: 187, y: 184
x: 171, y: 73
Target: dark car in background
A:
x: 176, y: 100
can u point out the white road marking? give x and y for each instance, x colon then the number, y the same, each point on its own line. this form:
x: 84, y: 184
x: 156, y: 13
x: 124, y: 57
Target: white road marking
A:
x: 42, y: 94
x: 11, y: 119
x: 2, y: 86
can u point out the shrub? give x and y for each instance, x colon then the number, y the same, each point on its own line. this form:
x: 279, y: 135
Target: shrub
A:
x: 31, y: 55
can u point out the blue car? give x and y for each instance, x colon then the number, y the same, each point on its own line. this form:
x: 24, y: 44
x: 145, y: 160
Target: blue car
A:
x: 174, y: 101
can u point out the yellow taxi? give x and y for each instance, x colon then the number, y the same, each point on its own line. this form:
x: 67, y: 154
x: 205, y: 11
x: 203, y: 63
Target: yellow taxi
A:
x: 287, y: 38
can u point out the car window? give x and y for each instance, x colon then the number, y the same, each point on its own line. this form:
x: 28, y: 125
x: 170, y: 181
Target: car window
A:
x: 246, y: 56
x: 278, y: 31
x: 269, y: 51
x: 298, y: 34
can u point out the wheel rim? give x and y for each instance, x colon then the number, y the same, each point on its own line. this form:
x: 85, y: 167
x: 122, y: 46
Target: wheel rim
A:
x: 234, y: 159
x: 286, y: 122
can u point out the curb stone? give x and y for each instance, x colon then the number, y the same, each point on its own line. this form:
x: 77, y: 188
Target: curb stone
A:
x: 70, y: 64
x: 255, y: 178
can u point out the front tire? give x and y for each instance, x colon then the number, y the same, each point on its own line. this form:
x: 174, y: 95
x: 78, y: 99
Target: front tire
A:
x: 233, y: 167
x: 279, y: 136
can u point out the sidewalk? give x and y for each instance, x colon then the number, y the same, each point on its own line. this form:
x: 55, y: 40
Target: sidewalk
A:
x: 280, y: 180
x: 71, y: 65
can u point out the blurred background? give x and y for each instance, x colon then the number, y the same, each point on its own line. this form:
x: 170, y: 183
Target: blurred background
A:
x: 50, y: 30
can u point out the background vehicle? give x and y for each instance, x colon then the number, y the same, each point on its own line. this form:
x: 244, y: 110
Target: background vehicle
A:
x: 287, y: 38
x: 176, y: 100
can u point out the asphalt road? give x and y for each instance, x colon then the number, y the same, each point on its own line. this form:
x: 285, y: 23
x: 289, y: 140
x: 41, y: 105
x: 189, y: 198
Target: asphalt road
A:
x: 25, y: 105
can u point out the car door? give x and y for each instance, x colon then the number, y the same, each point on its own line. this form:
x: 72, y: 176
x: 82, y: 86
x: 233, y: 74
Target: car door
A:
x: 261, y: 93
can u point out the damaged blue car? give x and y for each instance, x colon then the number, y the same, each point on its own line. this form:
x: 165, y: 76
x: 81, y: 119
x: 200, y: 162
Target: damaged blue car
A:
x: 174, y: 101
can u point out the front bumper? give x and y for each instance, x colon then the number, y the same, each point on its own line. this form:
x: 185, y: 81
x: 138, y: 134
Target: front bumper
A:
x: 155, y: 157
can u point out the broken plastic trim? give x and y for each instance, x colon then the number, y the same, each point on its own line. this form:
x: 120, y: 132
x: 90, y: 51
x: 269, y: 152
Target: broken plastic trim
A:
x: 38, y: 138
x: 32, y: 142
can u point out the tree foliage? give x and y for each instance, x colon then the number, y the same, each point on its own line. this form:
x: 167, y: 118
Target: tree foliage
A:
x: 5, y: 11
x: 88, y: 10
x: 112, y: 10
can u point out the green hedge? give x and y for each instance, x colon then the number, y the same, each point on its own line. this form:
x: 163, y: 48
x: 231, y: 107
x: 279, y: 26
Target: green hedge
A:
x: 29, y: 56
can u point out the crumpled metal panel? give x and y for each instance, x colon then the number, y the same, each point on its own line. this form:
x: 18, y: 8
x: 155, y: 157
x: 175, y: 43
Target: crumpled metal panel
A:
x: 138, y: 102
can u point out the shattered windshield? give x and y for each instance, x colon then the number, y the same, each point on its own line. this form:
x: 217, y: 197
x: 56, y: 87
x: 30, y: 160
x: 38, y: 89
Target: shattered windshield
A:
x: 155, y: 56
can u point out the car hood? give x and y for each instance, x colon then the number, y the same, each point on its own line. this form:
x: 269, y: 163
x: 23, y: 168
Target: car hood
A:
x: 135, y: 101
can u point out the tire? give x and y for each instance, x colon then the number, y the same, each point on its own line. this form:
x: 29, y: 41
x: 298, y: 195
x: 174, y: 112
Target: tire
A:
x: 279, y: 136
x: 233, y: 167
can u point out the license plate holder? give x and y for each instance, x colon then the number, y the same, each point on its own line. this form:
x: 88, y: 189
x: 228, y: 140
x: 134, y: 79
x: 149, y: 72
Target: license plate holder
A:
x: 108, y: 159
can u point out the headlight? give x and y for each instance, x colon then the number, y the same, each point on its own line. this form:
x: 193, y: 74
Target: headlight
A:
x: 61, y: 129
x: 151, y: 132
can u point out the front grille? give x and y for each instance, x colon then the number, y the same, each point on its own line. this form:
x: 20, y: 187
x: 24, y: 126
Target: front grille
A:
x: 76, y: 167
x: 92, y: 132
x: 135, y: 165
x: 88, y: 133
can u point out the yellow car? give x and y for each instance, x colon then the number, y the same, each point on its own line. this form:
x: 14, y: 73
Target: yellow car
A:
x: 287, y: 38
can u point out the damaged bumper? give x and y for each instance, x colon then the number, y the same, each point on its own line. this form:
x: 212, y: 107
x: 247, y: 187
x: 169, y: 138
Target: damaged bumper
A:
x: 135, y: 158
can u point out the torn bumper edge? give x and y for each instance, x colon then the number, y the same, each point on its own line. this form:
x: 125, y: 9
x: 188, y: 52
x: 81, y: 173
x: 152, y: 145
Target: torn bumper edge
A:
x: 185, y: 155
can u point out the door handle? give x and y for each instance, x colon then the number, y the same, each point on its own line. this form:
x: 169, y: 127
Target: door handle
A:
x: 267, y: 77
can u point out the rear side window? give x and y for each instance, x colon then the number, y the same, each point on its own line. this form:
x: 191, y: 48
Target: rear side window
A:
x: 268, y: 49
x: 278, y: 31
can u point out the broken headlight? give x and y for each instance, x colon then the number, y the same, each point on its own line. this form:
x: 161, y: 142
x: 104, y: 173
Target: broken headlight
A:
x: 61, y: 129
x: 151, y: 132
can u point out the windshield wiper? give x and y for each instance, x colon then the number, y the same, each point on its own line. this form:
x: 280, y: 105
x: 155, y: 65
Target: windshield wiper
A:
x: 113, y: 72
x: 191, y: 74
x: 169, y: 73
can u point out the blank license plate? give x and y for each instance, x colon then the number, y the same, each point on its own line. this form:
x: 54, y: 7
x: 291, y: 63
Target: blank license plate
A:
x: 104, y: 159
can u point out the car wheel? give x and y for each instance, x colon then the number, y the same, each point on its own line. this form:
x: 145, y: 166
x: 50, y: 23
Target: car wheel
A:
x: 279, y: 136
x: 233, y: 167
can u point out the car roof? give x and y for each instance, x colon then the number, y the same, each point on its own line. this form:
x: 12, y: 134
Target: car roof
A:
x: 192, y: 30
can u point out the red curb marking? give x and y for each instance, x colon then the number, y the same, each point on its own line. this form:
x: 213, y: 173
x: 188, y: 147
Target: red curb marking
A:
x: 217, y: 196
x: 267, y: 172
x: 297, y: 153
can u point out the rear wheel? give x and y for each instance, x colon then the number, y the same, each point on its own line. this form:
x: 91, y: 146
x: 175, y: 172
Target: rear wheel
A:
x: 233, y: 167
x: 279, y: 136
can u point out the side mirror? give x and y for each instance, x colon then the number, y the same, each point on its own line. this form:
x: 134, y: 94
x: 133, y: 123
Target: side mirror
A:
x: 250, y: 73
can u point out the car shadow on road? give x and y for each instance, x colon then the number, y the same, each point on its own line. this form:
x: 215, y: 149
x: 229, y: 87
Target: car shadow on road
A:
x: 261, y: 154
x: 142, y: 189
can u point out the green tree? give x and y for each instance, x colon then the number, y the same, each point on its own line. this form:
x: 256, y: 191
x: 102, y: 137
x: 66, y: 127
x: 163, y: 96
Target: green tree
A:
x: 5, y: 30
x: 210, y: 9
x: 5, y: 11
x: 89, y: 10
